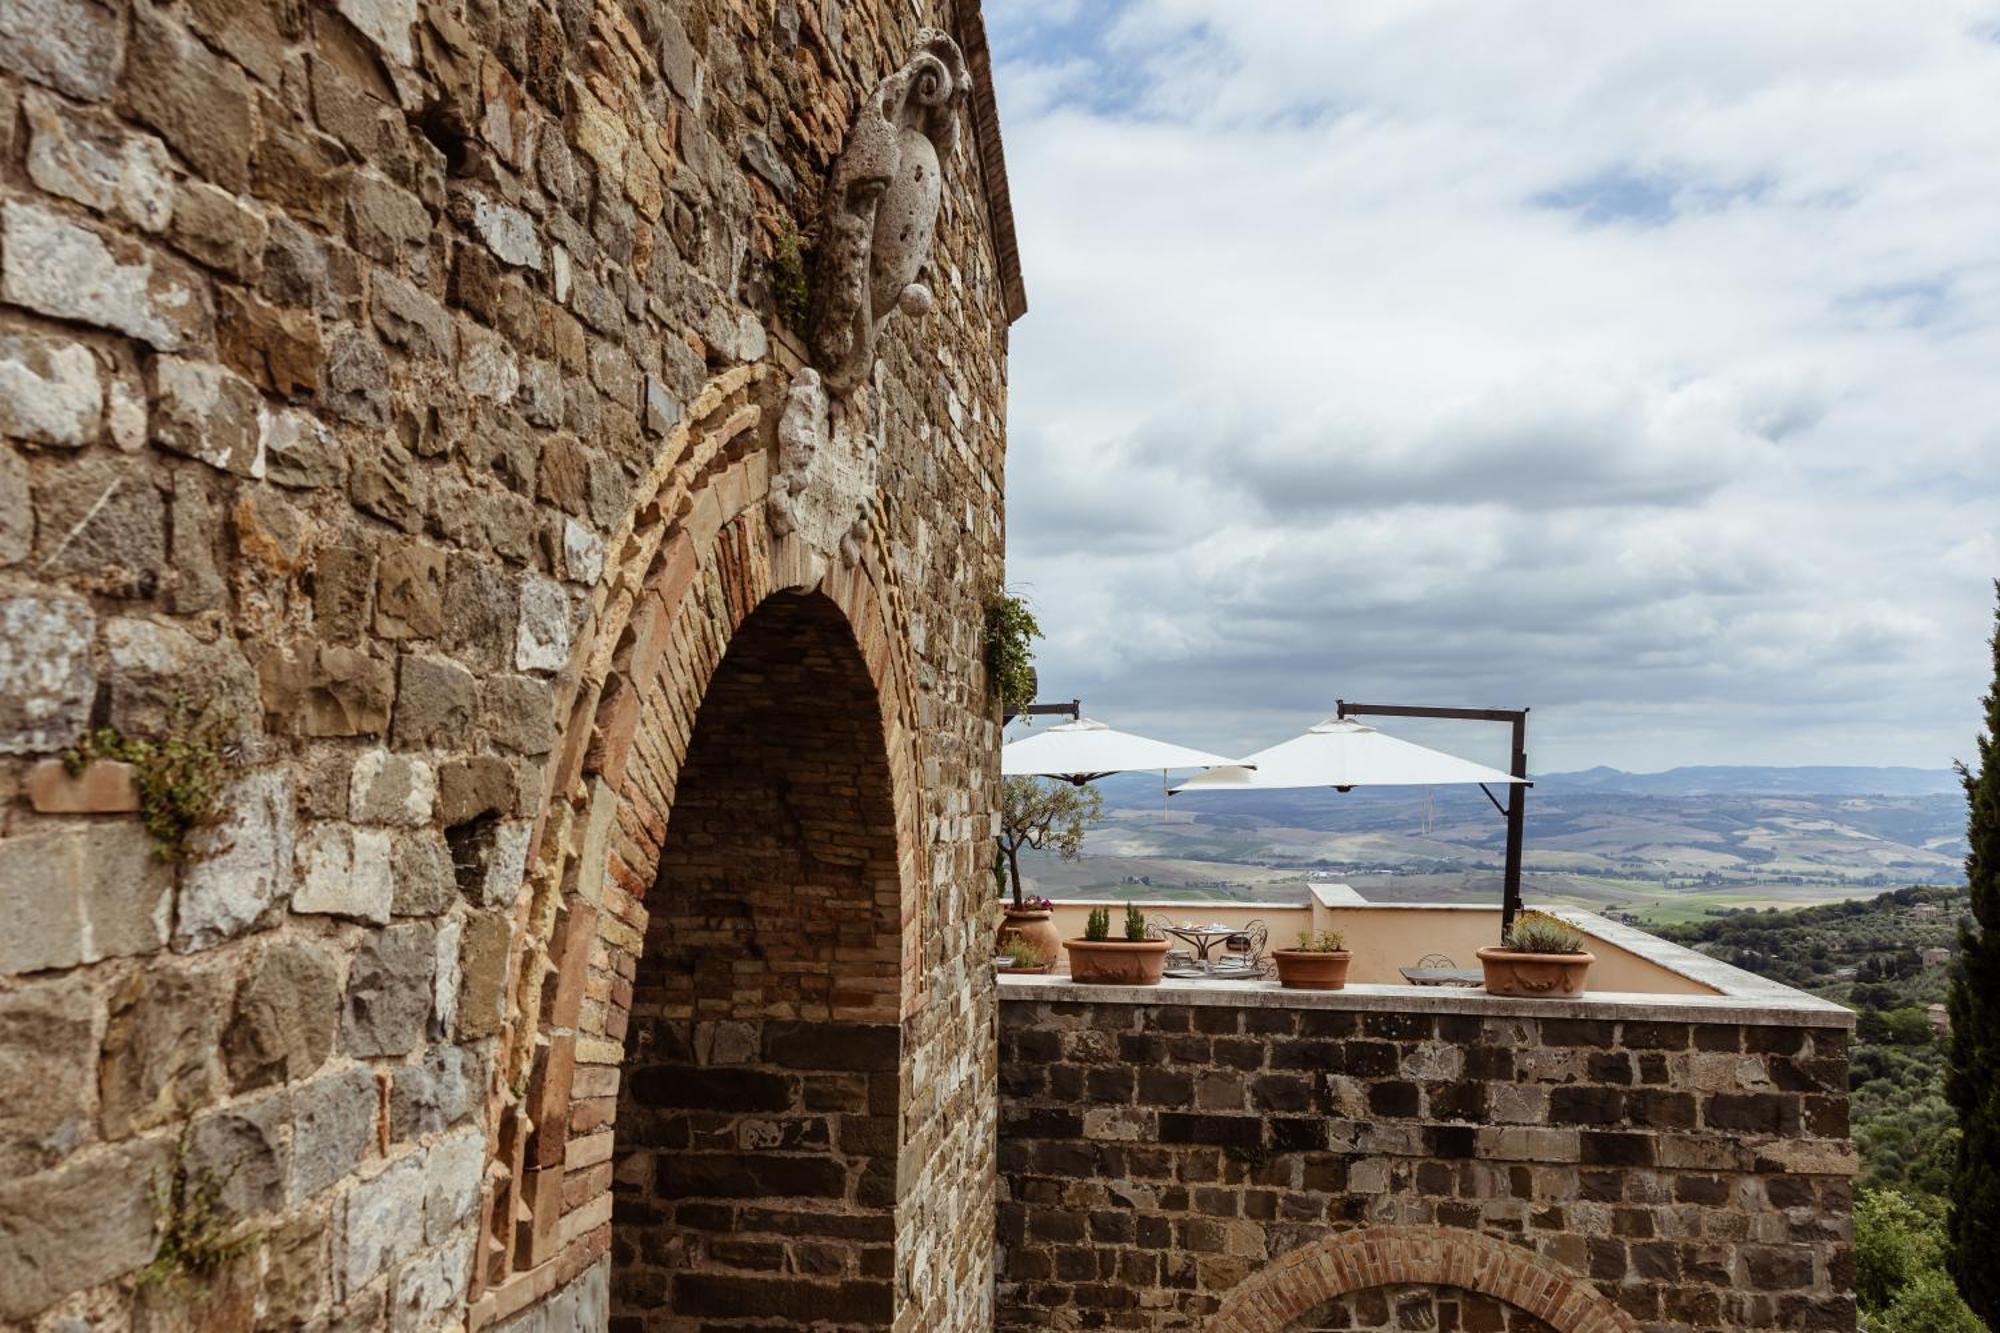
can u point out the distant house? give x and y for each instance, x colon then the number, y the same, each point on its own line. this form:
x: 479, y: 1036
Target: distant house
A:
x: 1926, y: 909
x: 1940, y: 1019
x: 1939, y: 957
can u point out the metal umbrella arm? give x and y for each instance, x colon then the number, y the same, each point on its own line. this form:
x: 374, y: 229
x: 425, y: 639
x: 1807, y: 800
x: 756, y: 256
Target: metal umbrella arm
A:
x: 1515, y: 810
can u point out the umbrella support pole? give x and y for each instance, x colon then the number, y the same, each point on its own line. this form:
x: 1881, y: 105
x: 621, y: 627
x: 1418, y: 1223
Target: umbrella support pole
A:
x: 1516, y: 809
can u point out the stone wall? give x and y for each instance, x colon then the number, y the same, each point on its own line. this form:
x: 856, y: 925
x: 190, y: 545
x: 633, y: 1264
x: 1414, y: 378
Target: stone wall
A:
x: 390, y: 395
x: 1270, y: 1164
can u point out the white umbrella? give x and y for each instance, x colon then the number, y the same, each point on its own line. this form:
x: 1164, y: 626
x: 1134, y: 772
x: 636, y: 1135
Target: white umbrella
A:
x: 1344, y: 753
x: 1082, y: 750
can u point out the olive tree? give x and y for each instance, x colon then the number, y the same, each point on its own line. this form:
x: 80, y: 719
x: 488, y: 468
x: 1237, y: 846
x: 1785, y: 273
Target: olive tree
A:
x: 1045, y: 817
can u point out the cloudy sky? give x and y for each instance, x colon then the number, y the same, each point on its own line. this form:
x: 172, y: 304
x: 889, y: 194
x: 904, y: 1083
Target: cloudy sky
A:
x: 1637, y: 363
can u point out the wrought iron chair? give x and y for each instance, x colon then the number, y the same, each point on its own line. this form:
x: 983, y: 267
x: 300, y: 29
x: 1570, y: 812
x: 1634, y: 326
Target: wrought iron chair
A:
x: 1157, y: 928
x: 1247, y: 949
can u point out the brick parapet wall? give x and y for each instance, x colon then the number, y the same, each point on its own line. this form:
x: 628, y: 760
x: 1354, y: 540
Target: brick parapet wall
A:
x: 1157, y: 1157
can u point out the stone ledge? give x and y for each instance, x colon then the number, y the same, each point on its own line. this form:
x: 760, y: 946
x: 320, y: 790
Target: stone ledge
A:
x: 1786, y: 1009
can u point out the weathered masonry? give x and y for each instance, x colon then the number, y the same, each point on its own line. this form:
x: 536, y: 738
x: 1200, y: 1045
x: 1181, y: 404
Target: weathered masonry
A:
x: 1259, y: 1161
x: 510, y: 488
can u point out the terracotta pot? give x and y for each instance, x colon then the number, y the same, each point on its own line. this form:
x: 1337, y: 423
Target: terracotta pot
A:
x: 1531, y: 976
x: 1303, y: 969
x: 1041, y: 971
x: 1117, y: 962
x: 1037, y: 928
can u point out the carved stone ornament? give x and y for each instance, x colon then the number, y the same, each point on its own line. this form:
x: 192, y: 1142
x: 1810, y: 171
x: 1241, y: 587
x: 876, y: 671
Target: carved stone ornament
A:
x: 825, y: 487
x: 882, y: 208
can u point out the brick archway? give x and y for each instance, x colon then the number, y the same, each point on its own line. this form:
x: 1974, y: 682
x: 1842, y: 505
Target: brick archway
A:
x: 1294, y: 1284
x: 691, y: 565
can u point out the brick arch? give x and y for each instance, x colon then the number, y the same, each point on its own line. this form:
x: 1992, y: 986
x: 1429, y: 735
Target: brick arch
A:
x: 1293, y: 1285
x: 693, y: 562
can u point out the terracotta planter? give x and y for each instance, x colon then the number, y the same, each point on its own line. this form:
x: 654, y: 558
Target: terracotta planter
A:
x: 1041, y: 971
x: 1532, y: 976
x: 1037, y: 928
x: 1303, y: 969
x: 1117, y: 962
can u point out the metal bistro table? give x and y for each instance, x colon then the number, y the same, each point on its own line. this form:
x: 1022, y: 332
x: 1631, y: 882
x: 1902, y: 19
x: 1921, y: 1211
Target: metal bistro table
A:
x: 1443, y: 976
x: 1203, y: 939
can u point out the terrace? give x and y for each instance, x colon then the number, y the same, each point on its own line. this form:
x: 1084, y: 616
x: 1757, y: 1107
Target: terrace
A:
x: 1669, y: 1149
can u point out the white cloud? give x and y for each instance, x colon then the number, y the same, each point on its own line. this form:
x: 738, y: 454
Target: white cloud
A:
x: 1635, y: 364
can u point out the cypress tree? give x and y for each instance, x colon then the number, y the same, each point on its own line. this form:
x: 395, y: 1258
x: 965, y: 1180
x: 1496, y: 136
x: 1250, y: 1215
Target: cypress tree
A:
x: 1972, y: 1081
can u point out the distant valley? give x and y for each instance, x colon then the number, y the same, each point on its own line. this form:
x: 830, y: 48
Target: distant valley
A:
x: 1657, y: 847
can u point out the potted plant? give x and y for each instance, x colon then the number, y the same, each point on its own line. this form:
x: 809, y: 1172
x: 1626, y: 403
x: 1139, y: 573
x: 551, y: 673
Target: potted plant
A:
x: 1542, y: 956
x: 1021, y: 958
x: 1318, y: 963
x: 1038, y: 816
x: 1132, y: 961
x: 1032, y: 923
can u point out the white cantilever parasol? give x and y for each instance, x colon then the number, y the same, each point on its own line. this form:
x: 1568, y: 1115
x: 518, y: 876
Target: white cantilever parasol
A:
x: 1343, y: 753
x: 1083, y: 750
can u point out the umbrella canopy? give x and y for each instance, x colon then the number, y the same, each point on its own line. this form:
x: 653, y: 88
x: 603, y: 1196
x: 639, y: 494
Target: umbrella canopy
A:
x: 1344, y: 753
x: 1082, y: 750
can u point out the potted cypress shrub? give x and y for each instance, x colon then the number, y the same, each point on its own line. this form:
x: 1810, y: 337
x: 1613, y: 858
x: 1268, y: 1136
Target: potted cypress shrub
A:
x: 1318, y: 963
x: 1542, y: 957
x: 1132, y: 961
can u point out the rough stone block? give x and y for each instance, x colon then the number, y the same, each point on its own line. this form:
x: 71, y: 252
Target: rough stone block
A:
x: 543, y: 632
x: 345, y: 872
x: 389, y: 788
x: 160, y: 673
x: 246, y: 1147
x: 73, y: 46
x: 320, y: 689
x: 48, y: 1073
x: 197, y: 100
x: 453, y: 1170
x: 430, y: 1286
x: 243, y: 872
x: 98, y: 165
x: 212, y: 227
x: 46, y: 679
x: 435, y: 699
x: 445, y: 1088
x: 518, y: 712
x: 389, y: 992
x: 298, y: 451
x: 286, y: 1010
x: 483, y: 969
x: 101, y: 528
x: 162, y: 1049
x: 383, y: 1222
x: 72, y: 1229
x: 333, y: 1128
x: 78, y: 895
x: 50, y: 390
x: 425, y: 884
x: 60, y: 268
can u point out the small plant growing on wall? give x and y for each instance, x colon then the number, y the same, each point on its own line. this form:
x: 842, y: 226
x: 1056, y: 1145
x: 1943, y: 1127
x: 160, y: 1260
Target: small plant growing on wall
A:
x: 789, y: 283
x: 1011, y: 629
x: 198, y: 1237
x: 180, y: 777
x: 1097, y: 926
x: 1135, y: 923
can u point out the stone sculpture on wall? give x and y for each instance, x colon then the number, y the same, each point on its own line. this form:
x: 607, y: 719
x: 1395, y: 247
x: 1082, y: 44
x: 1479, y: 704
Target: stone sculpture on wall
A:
x: 882, y: 208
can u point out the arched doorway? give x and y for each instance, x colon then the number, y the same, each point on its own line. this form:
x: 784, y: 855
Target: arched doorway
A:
x: 754, y: 1169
